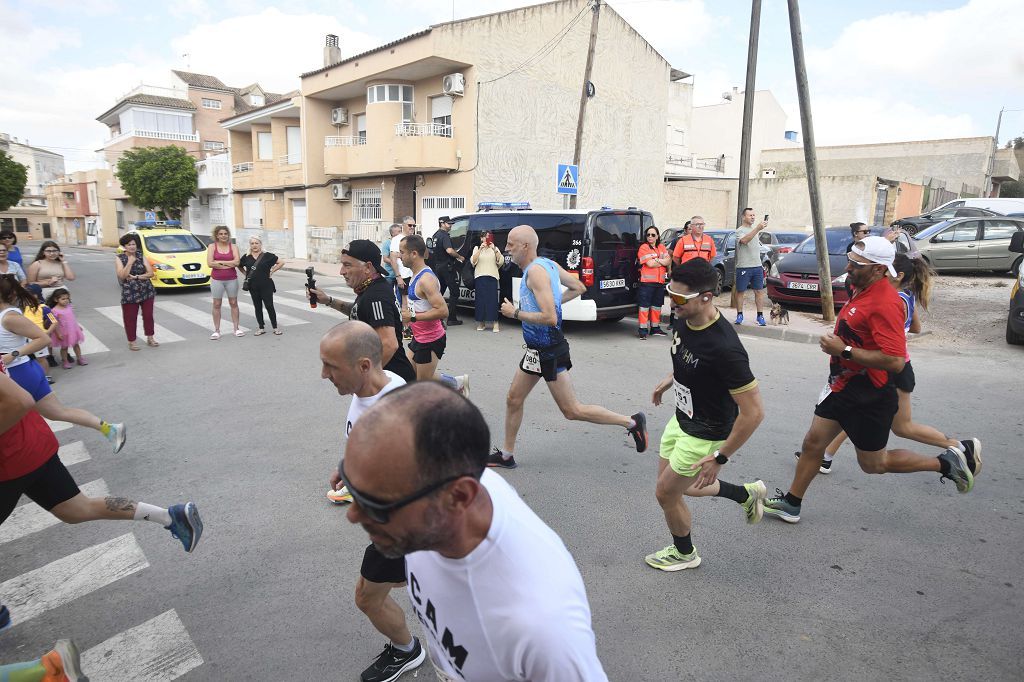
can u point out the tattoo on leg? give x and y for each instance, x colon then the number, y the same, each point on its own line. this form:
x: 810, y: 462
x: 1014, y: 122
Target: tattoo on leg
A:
x: 119, y: 504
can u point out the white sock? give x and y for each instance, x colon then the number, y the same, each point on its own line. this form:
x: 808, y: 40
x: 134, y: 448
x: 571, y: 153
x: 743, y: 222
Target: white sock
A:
x: 827, y: 457
x: 406, y: 648
x: 151, y: 512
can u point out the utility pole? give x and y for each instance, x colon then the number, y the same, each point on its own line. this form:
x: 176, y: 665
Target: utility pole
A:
x: 828, y: 310
x: 748, y: 121
x: 585, y: 90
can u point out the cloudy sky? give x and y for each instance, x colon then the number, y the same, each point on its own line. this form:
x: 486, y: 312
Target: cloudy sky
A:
x: 879, y: 70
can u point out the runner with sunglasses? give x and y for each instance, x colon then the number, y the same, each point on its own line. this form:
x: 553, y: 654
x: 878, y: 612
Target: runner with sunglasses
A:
x: 718, y: 408
x: 867, y: 348
x: 495, y: 589
x: 351, y: 355
x: 654, y: 261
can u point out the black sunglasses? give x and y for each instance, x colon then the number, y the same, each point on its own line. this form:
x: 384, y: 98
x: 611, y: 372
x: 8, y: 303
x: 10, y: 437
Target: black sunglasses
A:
x: 380, y: 512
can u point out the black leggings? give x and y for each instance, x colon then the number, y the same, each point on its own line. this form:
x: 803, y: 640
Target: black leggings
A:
x: 263, y: 296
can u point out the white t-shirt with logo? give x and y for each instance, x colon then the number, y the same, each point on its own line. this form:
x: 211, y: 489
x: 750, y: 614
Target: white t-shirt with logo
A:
x: 360, y: 405
x: 396, y: 242
x: 514, y: 608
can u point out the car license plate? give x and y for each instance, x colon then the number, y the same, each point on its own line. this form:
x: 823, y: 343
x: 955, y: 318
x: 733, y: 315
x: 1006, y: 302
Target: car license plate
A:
x: 809, y: 286
x: 613, y: 283
x: 193, y: 275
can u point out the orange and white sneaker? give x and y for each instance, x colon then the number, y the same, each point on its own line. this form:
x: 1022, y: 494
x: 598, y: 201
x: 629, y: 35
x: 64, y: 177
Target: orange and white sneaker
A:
x: 62, y: 664
x: 339, y: 496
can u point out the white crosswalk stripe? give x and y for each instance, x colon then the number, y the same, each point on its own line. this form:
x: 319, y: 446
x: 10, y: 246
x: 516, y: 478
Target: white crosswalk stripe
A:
x: 31, y: 518
x: 72, y: 453
x: 91, y: 345
x: 163, y: 334
x: 197, y: 317
x: 74, y: 576
x: 156, y: 651
x: 282, y: 319
x: 303, y: 305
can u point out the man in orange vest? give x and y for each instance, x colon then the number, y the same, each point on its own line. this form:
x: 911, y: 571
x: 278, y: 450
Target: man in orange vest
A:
x: 696, y: 244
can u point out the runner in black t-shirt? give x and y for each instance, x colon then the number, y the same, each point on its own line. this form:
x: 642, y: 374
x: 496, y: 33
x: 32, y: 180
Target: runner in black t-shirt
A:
x: 446, y: 263
x: 375, y: 303
x: 718, y: 407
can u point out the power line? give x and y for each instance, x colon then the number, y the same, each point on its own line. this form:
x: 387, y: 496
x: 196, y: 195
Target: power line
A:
x: 545, y: 49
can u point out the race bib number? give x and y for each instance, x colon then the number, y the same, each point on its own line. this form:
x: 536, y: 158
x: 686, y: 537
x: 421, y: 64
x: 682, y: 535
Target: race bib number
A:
x: 825, y: 392
x: 684, y: 399
x: 531, y: 361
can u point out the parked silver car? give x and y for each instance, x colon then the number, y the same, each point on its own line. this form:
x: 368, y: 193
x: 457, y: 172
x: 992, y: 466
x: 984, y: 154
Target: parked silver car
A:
x: 971, y: 244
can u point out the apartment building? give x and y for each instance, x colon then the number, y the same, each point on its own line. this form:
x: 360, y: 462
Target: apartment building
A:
x: 28, y: 218
x: 82, y: 208
x: 480, y: 109
x: 185, y: 113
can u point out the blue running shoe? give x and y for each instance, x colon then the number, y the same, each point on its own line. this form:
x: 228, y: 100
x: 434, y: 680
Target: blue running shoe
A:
x: 186, y: 525
x: 760, y: 321
x: 739, y: 318
x: 5, y: 618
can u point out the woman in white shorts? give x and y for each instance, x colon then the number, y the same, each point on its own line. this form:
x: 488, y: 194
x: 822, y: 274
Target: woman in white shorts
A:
x: 222, y: 257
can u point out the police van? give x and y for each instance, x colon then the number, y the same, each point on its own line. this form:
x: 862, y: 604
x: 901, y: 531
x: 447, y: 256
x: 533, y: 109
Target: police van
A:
x: 598, y: 246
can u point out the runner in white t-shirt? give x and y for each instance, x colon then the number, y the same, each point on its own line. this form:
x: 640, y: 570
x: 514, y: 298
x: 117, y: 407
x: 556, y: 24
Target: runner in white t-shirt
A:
x: 496, y: 591
x: 351, y: 357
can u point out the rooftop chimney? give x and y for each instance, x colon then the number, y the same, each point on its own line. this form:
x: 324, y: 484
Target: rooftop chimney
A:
x: 332, y: 51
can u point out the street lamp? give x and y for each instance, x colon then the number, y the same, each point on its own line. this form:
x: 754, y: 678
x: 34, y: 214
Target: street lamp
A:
x: 995, y: 148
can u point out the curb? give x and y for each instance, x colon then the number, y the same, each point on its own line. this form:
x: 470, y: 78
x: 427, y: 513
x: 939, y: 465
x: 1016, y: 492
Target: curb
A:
x: 779, y: 333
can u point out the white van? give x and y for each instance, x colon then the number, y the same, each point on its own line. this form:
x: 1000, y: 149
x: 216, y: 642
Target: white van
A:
x: 1004, y: 205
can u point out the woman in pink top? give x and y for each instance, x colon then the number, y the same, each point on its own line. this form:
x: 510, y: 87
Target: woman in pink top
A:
x: 222, y: 257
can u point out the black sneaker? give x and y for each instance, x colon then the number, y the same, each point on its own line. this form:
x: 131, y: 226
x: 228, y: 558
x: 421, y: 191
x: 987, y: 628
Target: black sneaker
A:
x: 825, y: 467
x: 497, y: 459
x: 658, y: 331
x: 392, y: 662
x: 959, y: 471
x: 642, y: 334
x: 454, y: 323
x: 972, y: 451
x: 639, y: 431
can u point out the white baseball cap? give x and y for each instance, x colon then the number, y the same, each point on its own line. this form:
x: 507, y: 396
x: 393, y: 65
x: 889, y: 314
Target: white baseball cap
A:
x: 877, y: 250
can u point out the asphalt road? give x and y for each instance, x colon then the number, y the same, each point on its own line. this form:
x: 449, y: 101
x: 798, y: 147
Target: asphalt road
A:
x: 886, y: 577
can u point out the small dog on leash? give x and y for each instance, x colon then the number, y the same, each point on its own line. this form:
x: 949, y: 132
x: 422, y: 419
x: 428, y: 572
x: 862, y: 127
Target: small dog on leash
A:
x: 779, y: 315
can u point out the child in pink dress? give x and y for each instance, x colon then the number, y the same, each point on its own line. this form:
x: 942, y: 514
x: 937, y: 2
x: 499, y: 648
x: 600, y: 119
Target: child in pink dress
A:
x: 66, y: 333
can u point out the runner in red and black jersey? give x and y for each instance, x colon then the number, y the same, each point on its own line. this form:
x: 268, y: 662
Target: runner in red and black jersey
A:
x: 866, y: 349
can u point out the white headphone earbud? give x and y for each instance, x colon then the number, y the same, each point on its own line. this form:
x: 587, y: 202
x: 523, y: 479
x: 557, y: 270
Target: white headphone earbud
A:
x: 706, y: 299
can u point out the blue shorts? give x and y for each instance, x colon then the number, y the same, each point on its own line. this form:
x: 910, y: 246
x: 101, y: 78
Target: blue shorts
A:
x: 31, y: 377
x: 750, y: 278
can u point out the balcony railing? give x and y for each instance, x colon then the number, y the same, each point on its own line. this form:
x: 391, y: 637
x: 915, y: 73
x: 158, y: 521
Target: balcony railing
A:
x: 243, y: 167
x: 289, y: 160
x: 154, y: 135
x: 423, y: 130
x: 213, y: 174
x: 714, y: 163
x: 344, y: 141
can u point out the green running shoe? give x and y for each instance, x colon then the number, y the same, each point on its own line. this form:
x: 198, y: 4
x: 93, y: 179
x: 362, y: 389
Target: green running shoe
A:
x: 670, y: 559
x: 778, y: 507
x: 959, y: 471
x: 754, y: 506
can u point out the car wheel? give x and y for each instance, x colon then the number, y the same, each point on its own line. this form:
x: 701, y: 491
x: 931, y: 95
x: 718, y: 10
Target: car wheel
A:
x: 1013, y: 337
x: 1015, y: 268
x: 720, y: 284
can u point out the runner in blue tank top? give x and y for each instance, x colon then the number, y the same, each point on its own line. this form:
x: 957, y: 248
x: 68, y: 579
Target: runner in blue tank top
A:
x: 547, y: 351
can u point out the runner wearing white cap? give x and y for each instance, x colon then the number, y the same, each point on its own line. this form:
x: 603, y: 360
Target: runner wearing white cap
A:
x: 867, y: 347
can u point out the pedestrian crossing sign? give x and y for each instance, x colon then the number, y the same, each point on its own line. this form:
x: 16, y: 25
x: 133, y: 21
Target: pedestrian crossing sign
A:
x: 568, y: 179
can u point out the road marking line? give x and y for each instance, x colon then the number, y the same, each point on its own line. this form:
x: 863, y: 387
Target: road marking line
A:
x: 59, y: 426
x: 196, y: 317
x: 282, y: 319
x: 73, y: 453
x: 163, y: 334
x: 159, y: 650
x: 74, y: 576
x: 304, y: 305
x: 91, y: 345
x: 31, y: 518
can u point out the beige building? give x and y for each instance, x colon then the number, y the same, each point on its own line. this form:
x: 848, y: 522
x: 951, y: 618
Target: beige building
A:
x: 28, y: 218
x: 440, y: 120
x: 82, y: 208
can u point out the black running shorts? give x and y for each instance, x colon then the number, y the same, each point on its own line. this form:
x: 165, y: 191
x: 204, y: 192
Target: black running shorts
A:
x: 905, y: 380
x: 378, y: 568
x: 864, y: 412
x: 553, y: 361
x: 47, y: 486
x: 421, y: 352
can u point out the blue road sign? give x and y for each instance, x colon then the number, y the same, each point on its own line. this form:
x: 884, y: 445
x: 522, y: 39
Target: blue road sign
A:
x: 150, y: 215
x: 568, y: 179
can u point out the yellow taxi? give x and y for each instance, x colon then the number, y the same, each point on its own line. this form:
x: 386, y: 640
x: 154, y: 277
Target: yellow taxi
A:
x: 177, y: 256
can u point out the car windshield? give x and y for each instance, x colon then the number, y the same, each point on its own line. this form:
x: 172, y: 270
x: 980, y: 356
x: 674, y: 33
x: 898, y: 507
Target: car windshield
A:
x: 790, y: 237
x: 719, y: 238
x: 173, y: 243
x: 838, y: 240
x: 932, y: 230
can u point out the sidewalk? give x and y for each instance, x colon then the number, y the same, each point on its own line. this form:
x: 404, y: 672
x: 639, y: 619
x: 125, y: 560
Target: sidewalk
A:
x: 300, y: 265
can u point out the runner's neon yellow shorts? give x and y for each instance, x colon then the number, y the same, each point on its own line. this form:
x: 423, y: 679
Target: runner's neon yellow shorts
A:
x: 682, y: 450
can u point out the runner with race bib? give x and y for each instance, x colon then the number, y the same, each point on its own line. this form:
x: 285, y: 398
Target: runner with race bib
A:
x: 718, y: 407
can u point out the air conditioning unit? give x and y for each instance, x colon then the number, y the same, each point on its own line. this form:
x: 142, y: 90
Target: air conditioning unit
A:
x: 339, y: 116
x: 341, y: 191
x: 454, y: 84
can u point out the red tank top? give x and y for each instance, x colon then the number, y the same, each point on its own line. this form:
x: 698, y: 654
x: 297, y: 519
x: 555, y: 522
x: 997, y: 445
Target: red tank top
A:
x: 219, y: 273
x: 26, y: 446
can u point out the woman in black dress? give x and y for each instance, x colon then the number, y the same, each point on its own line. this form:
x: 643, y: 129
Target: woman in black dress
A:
x: 259, y: 267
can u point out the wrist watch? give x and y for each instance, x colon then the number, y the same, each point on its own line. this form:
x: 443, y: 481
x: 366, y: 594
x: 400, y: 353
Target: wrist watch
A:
x: 847, y: 353
x: 412, y: 315
x: 15, y: 354
x: 720, y: 458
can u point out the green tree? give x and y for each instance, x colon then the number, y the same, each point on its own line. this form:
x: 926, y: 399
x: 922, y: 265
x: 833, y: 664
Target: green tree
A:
x: 12, y: 181
x: 158, y: 178
x: 1012, y: 188
x: 1015, y: 143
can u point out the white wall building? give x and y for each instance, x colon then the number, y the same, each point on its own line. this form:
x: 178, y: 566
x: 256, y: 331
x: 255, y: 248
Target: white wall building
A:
x: 213, y: 205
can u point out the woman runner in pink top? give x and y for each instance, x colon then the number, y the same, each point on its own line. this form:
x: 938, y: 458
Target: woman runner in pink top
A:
x: 222, y: 257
